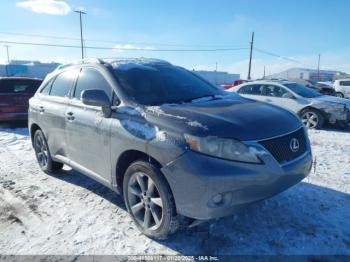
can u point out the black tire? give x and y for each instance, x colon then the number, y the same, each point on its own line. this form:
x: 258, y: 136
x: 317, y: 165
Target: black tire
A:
x: 318, y: 118
x: 339, y: 94
x: 169, y: 222
x: 43, y: 155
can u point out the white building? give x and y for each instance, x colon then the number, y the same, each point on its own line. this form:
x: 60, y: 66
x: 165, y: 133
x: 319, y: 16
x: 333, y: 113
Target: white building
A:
x: 307, y: 74
x: 218, y: 78
x: 27, y: 68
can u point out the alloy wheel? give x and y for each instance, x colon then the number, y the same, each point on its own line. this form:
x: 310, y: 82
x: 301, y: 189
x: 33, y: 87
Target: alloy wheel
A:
x: 41, y: 151
x: 145, y: 202
x: 310, y: 119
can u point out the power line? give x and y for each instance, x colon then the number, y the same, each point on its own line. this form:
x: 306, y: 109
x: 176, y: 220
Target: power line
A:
x: 125, y: 49
x: 280, y: 56
x: 111, y: 41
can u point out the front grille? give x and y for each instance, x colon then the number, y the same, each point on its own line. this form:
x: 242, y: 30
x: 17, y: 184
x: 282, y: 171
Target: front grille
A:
x: 280, y: 147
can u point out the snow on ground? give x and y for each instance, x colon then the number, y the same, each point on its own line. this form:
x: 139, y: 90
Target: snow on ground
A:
x: 67, y: 213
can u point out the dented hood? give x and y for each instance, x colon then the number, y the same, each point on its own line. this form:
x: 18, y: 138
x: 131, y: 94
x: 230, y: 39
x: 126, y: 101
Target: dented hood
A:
x: 333, y: 99
x: 237, y: 118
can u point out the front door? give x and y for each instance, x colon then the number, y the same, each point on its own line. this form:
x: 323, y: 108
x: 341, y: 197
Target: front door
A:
x: 87, y: 130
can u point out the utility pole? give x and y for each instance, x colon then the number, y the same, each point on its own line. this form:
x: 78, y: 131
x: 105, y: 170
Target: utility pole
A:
x: 80, y: 12
x: 250, y: 57
x: 8, y: 59
x: 264, y: 72
x: 318, y: 67
x: 216, y: 73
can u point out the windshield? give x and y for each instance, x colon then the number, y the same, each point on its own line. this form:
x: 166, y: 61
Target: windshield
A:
x: 160, y: 84
x: 302, y: 90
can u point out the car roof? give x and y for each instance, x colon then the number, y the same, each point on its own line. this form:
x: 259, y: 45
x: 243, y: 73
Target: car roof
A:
x: 20, y: 78
x: 270, y: 82
x: 345, y: 79
x: 116, y: 62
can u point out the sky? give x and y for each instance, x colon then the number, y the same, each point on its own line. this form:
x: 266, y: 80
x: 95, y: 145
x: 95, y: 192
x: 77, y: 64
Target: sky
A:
x: 294, y: 31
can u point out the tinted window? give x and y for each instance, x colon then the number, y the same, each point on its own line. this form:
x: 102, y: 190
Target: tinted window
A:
x: 91, y: 79
x: 251, y: 90
x: 159, y: 84
x: 17, y: 86
x: 302, y: 90
x: 63, y: 83
x: 46, y: 89
x: 275, y: 91
x: 344, y: 83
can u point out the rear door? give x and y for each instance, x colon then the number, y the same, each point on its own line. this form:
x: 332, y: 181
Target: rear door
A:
x: 51, y: 110
x: 253, y: 91
x: 88, y: 131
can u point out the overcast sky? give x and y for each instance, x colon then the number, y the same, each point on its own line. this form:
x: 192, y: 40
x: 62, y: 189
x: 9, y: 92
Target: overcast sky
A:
x: 294, y: 29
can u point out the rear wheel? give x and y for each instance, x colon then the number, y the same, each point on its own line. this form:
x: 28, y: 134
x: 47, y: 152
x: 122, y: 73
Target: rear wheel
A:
x: 149, y: 200
x: 43, y: 155
x: 312, y: 119
x: 339, y: 94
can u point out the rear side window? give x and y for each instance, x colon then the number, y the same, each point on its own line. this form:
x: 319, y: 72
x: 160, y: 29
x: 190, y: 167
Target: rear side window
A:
x: 91, y: 79
x: 63, y: 83
x: 18, y: 86
x: 251, y: 90
x: 344, y: 83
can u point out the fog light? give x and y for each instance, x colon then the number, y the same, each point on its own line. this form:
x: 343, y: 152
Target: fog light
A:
x: 217, y: 199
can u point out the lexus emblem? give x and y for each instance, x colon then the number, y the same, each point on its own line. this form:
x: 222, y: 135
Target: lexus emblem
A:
x: 294, y: 145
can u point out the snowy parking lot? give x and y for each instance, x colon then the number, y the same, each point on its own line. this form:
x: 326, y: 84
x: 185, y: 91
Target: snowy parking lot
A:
x: 68, y: 213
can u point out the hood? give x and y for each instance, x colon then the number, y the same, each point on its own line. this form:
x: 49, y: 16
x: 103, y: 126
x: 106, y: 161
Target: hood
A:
x: 237, y: 118
x: 333, y: 99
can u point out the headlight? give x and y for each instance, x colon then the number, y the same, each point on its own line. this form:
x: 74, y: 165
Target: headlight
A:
x: 222, y: 148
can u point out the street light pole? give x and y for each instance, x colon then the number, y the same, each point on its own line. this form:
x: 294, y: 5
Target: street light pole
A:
x: 250, y: 57
x: 81, y: 31
x: 318, y: 67
x: 8, y: 59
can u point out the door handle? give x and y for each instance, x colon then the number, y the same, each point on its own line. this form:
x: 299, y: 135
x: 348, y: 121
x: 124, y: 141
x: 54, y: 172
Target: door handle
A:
x: 41, y: 109
x: 70, y: 115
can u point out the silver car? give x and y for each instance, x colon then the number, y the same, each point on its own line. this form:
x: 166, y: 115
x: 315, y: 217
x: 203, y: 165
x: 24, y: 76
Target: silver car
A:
x: 313, y: 108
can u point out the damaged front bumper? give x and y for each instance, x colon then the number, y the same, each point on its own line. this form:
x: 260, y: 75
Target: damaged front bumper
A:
x: 335, y: 113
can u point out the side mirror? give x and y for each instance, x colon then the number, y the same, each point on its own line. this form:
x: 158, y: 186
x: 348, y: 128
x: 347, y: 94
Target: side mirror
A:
x: 97, y: 97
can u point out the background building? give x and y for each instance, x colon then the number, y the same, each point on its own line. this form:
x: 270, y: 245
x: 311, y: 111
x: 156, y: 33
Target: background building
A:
x: 307, y: 74
x: 27, y: 68
x: 217, y: 77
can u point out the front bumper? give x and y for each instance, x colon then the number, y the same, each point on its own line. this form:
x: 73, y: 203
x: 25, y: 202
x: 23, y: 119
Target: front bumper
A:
x: 196, y: 179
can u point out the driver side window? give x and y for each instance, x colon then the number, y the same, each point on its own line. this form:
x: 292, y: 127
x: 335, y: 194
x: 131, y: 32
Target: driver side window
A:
x: 91, y: 79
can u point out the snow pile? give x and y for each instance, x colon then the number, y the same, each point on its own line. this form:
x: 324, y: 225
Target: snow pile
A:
x: 68, y: 213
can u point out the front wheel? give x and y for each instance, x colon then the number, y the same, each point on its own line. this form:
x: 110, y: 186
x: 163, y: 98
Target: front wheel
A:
x: 43, y: 155
x: 338, y: 94
x: 149, y: 200
x: 312, y: 119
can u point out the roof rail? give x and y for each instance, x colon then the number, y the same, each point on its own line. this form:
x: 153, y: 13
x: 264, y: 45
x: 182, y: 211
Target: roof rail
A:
x: 82, y: 61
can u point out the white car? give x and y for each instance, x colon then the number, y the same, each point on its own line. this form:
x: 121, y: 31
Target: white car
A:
x: 313, y: 108
x: 342, y: 88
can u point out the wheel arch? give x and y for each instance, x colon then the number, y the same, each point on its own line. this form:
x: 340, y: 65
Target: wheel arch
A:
x: 125, y: 160
x: 312, y: 108
x: 33, y: 128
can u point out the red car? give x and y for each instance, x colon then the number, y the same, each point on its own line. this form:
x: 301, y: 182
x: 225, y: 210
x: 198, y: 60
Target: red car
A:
x: 235, y: 83
x: 14, y: 96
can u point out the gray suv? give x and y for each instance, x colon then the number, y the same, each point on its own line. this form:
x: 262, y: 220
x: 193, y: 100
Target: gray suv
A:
x: 175, y: 146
